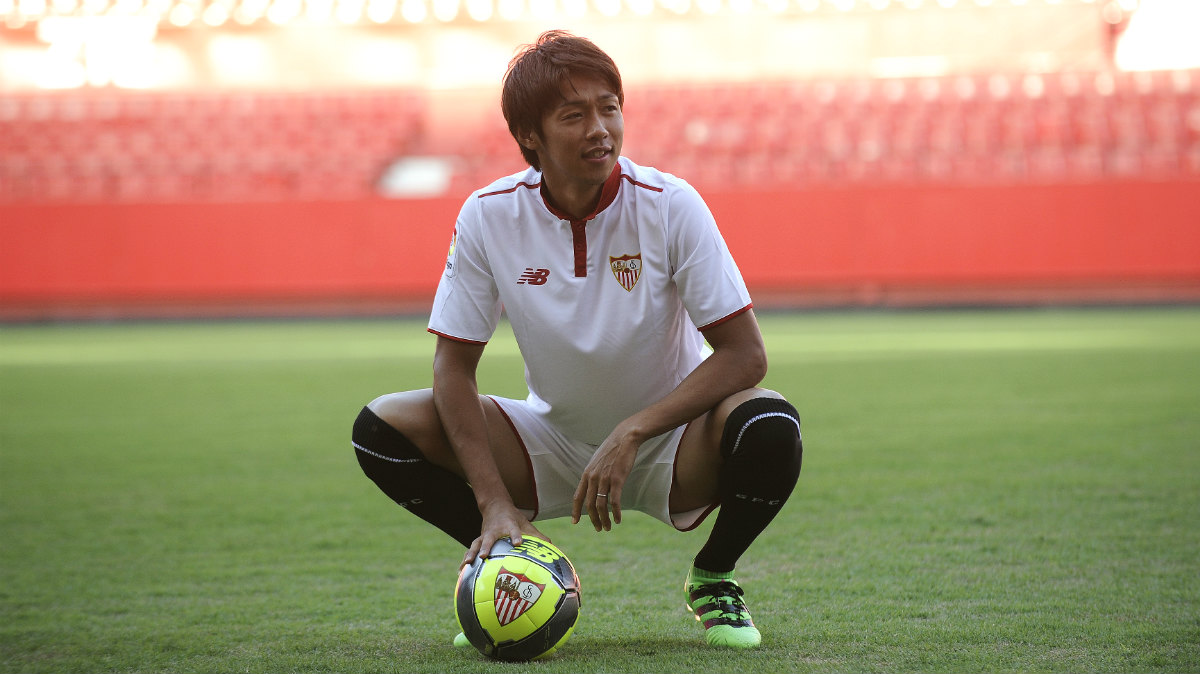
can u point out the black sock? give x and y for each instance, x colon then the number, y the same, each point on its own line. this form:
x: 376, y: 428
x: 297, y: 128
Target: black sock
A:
x: 430, y: 492
x: 763, y: 451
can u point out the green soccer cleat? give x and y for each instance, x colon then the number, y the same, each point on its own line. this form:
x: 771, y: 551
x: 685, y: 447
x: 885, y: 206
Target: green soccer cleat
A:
x: 716, y: 599
x: 460, y: 641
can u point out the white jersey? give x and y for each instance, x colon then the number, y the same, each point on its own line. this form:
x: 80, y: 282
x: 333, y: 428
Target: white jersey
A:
x: 605, y: 309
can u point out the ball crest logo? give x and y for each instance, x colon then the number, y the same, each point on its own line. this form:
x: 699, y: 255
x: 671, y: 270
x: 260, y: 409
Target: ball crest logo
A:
x: 515, y: 593
x: 627, y: 269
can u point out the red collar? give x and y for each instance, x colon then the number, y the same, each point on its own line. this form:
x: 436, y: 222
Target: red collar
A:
x: 608, y: 194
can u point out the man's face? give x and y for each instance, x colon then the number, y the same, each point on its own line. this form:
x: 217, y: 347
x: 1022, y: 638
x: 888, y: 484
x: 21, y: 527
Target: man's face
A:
x: 581, y: 138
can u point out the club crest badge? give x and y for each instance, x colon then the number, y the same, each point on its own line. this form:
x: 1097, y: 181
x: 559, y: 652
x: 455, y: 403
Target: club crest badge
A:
x: 515, y: 593
x: 627, y: 269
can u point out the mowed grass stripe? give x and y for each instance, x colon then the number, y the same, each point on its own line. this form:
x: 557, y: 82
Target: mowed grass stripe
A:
x: 807, y: 335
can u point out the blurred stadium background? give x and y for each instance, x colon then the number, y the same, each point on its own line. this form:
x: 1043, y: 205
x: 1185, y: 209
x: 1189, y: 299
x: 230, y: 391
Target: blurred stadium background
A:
x: 193, y: 158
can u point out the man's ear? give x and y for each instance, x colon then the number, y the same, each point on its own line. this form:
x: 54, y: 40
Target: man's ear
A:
x: 528, y: 140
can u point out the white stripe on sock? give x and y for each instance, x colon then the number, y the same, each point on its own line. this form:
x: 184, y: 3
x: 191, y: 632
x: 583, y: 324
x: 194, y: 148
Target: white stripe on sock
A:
x: 377, y: 455
x: 759, y: 417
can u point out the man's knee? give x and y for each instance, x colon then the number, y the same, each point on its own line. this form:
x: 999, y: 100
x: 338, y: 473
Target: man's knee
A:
x: 377, y: 443
x: 412, y: 415
x: 762, y: 435
x: 410, y: 412
x: 772, y: 418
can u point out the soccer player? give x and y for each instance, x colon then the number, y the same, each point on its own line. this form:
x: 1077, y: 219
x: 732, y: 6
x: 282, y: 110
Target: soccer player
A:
x: 613, y: 276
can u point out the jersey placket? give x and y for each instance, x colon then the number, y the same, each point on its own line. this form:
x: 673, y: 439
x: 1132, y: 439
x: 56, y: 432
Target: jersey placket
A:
x: 579, y: 243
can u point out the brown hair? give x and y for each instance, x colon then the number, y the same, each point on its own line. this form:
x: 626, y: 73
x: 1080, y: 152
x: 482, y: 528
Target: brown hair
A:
x: 536, y: 74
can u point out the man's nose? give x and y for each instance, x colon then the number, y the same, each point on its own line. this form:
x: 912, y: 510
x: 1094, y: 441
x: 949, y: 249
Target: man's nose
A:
x: 595, y: 126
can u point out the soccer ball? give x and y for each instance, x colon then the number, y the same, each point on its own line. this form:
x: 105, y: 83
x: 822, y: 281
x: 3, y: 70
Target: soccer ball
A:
x: 520, y: 603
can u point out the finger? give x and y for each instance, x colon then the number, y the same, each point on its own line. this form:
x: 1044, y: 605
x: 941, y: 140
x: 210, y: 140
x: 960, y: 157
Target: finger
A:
x: 614, y: 502
x: 472, y: 553
x: 577, y: 502
x: 602, y: 504
x: 485, y: 545
x: 594, y: 506
x: 590, y: 501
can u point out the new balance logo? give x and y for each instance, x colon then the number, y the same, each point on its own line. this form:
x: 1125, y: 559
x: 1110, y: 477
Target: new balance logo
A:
x: 534, y: 277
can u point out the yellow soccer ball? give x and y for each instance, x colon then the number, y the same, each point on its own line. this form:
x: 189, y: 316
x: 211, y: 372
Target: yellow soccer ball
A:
x: 519, y: 603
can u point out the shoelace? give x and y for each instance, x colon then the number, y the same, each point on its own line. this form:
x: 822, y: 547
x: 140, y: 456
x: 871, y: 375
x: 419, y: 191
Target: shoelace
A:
x: 726, y: 599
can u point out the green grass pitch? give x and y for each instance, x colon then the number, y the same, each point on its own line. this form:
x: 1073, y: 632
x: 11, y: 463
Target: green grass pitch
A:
x: 1013, y: 490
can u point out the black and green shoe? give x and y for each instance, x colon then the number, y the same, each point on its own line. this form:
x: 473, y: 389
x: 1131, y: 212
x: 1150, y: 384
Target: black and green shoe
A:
x: 716, y: 599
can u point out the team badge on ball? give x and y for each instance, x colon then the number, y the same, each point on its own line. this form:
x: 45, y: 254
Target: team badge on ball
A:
x: 626, y: 269
x: 514, y: 595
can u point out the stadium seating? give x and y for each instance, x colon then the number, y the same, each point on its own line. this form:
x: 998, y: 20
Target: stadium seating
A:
x: 136, y: 146
x: 959, y: 129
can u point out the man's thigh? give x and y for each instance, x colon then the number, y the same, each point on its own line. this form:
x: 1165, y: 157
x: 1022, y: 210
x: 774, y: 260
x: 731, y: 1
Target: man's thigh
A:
x: 413, y: 414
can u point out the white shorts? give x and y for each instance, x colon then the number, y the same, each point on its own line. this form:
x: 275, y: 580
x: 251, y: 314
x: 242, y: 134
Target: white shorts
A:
x: 558, y: 462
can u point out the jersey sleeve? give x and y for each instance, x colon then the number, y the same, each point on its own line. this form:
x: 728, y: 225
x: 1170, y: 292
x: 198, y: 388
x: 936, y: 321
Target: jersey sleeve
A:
x: 709, y: 282
x: 467, y: 304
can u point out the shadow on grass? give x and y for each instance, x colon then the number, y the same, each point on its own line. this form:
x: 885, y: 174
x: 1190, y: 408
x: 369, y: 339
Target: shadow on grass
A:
x: 603, y: 648
x: 646, y: 654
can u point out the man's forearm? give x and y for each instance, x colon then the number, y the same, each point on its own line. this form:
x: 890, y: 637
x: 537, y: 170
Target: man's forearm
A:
x: 721, y: 375
x: 461, y: 412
